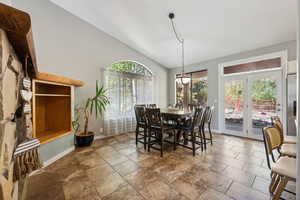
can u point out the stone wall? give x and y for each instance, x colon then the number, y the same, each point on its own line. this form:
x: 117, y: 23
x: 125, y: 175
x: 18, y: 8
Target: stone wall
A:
x: 10, y: 71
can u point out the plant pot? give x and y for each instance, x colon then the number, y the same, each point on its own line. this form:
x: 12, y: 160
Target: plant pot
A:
x: 84, y: 140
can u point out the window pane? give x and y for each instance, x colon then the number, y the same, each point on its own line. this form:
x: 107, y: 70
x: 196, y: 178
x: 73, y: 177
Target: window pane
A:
x: 199, y: 88
x: 194, y: 92
x: 253, y: 66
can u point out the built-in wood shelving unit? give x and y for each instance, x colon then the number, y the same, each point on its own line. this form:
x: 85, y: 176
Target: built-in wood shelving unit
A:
x: 52, y: 107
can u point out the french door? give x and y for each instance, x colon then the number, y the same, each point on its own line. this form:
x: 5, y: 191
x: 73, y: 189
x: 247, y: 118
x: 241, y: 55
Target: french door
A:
x: 249, y: 101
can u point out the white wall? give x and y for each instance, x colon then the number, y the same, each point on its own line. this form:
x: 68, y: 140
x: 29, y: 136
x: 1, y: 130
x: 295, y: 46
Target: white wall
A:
x: 212, y: 66
x: 7, y: 2
x: 67, y: 46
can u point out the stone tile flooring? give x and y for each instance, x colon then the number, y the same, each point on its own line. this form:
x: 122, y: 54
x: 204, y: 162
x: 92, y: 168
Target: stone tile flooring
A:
x: 115, y: 169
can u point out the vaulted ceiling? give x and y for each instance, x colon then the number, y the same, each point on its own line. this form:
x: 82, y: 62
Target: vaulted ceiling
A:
x: 211, y: 28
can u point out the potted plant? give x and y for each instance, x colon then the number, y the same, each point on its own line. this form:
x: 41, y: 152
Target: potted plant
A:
x: 94, y: 106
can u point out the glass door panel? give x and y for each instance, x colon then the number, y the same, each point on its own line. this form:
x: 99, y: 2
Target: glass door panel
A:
x: 234, y: 106
x: 264, y: 101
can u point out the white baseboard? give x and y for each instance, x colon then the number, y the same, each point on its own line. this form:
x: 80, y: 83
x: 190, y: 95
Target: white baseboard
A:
x: 58, y: 156
x: 216, y: 131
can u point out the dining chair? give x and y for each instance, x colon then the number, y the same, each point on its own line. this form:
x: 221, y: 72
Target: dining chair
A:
x: 203, y: 121
x: 275, y: 120
x: 287, y: 148
x: 151, y: 106
x: 141, y: 123
x: 191, y: 107
x: 283, y: 169
x: 157, y: 129
x: 189, y: 129
x: 208, y: 119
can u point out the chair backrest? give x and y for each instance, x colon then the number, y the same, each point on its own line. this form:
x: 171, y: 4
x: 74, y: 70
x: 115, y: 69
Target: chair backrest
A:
x: 153, y: 116
x: 142, y: 105
x: 204, y: 116
x: 140, y: 114
x: 274, y: 118
x: 272, y: 140
x: 210, y: 114
x: 192, y: 107
x: 151, y: 106
x: 198, y: 113
x: 277, y: 124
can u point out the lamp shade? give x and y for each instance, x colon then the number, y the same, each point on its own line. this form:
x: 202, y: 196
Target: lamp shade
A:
x: 183, y: 79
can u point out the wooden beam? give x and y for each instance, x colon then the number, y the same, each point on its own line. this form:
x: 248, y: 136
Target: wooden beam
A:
x: 17, y: 25
x: 58, y: 79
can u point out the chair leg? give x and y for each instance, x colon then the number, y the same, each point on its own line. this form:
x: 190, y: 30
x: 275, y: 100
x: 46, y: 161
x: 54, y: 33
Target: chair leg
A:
x: 174, y: 140
x: 136, y: 135
x: 274, y: 182
x: 145, y: 138
x: 193, y: 143
x: 282, y: 183
x: 201, y: 140
x: 210, y: 135
x: 161, y: 144
x: 149, y: 139
x: 204, y: 138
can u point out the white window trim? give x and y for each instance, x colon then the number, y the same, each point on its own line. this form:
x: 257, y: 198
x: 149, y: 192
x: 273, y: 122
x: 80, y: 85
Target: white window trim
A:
x: 284, y: 58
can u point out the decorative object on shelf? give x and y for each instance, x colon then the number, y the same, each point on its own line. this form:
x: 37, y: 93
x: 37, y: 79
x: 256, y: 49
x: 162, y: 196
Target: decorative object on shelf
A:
x: 183, y: 77
x: 26, y: 95
x: 26, y: 159
x: 94, y: 105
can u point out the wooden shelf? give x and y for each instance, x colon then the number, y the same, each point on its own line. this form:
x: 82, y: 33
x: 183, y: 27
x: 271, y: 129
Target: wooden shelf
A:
x: 52, y: 110
x: 49, y: 136
x: 58, y: 79
x: 53, y: 95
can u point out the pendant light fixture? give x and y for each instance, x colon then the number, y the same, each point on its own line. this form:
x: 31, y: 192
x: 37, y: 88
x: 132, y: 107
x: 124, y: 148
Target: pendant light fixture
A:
x: 185, y: 79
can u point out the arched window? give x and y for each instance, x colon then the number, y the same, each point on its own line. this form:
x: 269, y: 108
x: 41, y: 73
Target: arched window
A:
x: 128, y: 83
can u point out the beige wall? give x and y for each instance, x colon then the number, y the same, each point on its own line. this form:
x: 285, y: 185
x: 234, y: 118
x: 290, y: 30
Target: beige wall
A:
x: 68, y: 46
x: 7, y: 2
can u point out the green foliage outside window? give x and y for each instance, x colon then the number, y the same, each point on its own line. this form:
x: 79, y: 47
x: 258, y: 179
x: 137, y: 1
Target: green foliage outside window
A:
x: 130, y: 67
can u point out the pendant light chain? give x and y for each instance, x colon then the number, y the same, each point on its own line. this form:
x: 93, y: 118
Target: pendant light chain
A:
x: 181, y: 41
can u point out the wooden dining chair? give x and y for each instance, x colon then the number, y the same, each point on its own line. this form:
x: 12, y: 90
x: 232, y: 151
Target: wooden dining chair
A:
x: 203, y: 121
x: 157, y: 129
x: 275, y: 120
x: 283, y: 169
x: 151, y: 106
x: 207, y: 120
x: 190, y: 128
x: 287, y: 148
x: 141, y: 123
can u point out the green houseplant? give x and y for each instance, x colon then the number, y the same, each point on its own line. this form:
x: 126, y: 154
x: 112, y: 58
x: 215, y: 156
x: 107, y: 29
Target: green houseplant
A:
x: 93, y: 106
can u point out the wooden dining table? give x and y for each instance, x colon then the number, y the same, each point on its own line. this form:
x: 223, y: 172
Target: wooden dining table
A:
x: 175, y: 114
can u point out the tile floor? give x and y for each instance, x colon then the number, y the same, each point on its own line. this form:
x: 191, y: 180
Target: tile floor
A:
x: 115, y: 169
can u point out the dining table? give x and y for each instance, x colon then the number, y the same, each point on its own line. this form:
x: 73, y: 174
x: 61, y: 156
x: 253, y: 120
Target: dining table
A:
x: 177, y: 116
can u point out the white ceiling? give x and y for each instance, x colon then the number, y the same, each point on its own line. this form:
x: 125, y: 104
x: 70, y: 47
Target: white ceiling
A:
x: 211, y: 28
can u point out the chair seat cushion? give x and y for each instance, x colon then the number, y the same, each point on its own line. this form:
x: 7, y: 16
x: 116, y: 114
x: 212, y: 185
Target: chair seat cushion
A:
x: 289, y: 149
x: 184, y: 128
x: 285, y: 166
